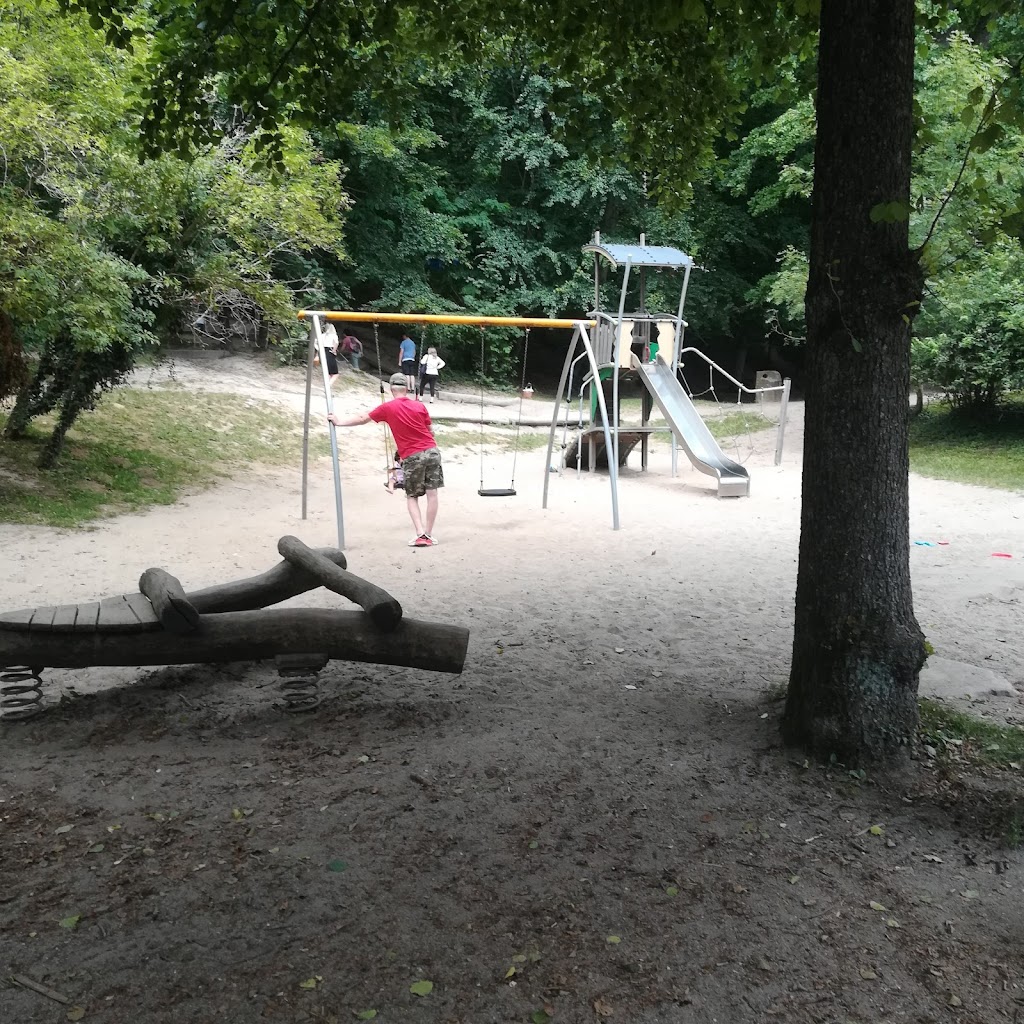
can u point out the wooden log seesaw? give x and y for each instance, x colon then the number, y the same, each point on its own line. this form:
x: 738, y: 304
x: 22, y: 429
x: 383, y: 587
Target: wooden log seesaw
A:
x: 164, y: 625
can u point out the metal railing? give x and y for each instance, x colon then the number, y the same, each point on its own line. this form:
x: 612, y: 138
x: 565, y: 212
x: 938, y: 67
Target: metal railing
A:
x: 743, y: 389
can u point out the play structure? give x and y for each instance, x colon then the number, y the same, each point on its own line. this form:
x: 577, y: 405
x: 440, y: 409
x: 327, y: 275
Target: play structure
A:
x: 164, y: 625
x: 644, y: 346
x: 606, y: 349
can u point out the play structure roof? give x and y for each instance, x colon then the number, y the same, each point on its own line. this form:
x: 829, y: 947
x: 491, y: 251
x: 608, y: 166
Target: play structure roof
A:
x: 661, y: 256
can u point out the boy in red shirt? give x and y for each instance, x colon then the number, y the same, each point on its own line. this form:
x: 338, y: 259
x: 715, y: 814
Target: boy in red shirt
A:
x: 421, y: 461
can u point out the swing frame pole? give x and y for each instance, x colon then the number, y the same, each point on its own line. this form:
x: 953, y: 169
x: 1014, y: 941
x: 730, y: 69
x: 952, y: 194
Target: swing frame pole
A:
x: 316, y: 347
x: 580, y: 336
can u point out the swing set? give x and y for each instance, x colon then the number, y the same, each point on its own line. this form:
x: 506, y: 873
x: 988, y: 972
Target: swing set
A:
x: 316, y: 347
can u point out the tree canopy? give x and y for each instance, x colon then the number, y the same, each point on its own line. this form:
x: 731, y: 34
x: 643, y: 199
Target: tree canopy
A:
x: 98, y: 252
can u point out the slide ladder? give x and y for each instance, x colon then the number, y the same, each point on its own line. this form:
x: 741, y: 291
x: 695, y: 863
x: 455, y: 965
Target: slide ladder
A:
x: 690, y: 430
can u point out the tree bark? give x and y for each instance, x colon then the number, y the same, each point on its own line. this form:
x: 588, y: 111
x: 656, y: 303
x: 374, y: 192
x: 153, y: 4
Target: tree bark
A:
x: 857, y: 647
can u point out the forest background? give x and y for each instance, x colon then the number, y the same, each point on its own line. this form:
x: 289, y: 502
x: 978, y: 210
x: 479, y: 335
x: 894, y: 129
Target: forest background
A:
x: 475, y: 196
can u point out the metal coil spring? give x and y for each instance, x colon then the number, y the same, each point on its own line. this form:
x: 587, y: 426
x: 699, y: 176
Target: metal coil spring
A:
x: 21, y: 692
x: 299, y: 694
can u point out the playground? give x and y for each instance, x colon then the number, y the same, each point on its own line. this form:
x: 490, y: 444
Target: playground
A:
x: 595, y: 820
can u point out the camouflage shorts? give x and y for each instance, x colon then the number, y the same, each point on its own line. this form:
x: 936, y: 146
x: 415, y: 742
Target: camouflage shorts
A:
x: 423, y: 472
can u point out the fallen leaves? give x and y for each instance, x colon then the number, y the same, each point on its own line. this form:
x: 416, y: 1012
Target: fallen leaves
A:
x: 880, y: 907
x: 75, y: 1013
x: 603, y: 1008
x: 613, y: 940
x: 311, y: 983
x: 421, y: 988
x: 70, y: 923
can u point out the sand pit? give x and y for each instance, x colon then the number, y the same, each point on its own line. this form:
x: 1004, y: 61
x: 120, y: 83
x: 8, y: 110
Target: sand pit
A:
x: 607, y: 767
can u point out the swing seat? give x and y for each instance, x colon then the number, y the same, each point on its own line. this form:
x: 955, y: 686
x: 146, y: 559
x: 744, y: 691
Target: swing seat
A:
x: 497, y: 492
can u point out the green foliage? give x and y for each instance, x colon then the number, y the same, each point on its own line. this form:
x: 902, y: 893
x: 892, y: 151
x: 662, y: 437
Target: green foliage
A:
x: 971, y: 339
x: 650, y: 61
x: 968, y: 194
x: 970, y: 335
x: 100, y: 254
x: 479, y: 203
x: 751, y: 218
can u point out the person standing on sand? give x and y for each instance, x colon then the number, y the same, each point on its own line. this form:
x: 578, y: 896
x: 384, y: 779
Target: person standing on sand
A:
x: 421, y: 461
x: 430, y: 367
x: 407, y: 361
x: 329, y: 335
x: 352, y: 349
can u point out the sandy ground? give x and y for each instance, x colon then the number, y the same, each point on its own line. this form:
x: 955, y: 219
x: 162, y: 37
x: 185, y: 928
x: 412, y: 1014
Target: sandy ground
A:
x: 595, y: 820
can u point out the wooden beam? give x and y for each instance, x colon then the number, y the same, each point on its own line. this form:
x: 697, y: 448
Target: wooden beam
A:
x: 250, y: 636
x: 271, y: 587
x: 385, y: 610
x: 167, y: 596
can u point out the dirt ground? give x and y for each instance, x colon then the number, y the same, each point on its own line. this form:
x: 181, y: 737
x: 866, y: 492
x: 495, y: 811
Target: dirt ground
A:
x: 595, y: 821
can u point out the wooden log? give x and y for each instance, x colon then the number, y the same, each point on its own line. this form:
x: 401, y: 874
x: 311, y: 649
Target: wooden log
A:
x: 250, y: 636
x: 385, y: 610
x: 167, y: 596
x: 271, y: 587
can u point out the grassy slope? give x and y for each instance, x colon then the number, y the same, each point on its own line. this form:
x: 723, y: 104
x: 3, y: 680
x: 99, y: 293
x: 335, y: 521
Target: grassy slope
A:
x: 140, y: 448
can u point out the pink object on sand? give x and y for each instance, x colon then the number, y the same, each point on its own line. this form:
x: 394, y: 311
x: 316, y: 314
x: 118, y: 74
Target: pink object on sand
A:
x: 1001, y: 554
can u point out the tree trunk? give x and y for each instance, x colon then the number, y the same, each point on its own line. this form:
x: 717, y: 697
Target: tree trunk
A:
x: 25, y: 404
x: 857, y: 648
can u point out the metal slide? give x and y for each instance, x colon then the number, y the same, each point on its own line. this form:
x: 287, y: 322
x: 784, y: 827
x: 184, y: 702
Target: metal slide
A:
x: 690, y: 430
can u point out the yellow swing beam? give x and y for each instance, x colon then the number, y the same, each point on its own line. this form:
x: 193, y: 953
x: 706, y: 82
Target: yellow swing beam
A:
x: 353, y: 316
